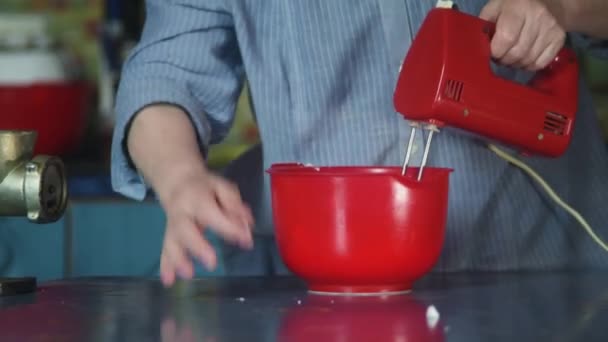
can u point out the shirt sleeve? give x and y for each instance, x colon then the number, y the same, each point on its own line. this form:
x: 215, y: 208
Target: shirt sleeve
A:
x: 595, y: 47
x: 187, y: 56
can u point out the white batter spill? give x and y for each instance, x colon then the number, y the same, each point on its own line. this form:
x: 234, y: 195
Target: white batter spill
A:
x: 432, y: 316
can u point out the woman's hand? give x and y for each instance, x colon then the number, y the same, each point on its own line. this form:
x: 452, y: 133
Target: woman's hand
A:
x: 528, y: 34
x: 199, y: 201
x: 163, y: 145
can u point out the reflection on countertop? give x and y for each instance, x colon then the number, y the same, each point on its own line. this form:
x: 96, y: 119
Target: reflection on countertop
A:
x: 459, y: 307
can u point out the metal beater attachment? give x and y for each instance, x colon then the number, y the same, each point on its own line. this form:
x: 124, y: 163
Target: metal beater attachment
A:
x: 408, y: 151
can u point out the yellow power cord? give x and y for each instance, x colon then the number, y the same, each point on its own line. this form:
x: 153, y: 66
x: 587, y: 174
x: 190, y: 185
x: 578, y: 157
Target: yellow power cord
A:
x: 549, y: 191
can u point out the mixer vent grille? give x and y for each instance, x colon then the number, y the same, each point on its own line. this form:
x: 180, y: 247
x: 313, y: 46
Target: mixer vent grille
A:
x: 556, y: 123
x: 453, y: 89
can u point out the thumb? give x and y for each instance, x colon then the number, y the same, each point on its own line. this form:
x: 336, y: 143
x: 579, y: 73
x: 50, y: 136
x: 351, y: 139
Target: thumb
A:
x: 491, y: 10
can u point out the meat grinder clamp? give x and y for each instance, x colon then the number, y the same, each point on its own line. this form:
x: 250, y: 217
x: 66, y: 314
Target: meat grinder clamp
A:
x: 34, y: 187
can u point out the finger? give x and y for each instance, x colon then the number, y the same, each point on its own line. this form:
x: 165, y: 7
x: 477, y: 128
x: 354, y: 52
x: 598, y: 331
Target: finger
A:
x: 508, y: 31
x: 490, y: 11
x: 228, y: 194
x: 186, y: 335
x: 548, y: 30
x: 229, y: 198
x: 245, y: 216
x: 167, y: 272
x: 518, y: 52
x: 249, y: 217
x: 178, y: 258
x: 538, y: 46
x: 548, y: 54
x: 168, y: 330
x: 198, y: 247
x: 225, y: 226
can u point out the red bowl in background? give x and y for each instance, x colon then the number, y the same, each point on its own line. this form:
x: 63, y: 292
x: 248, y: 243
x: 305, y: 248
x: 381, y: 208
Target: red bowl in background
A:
x: 57, y: 111
x: 359, y: 229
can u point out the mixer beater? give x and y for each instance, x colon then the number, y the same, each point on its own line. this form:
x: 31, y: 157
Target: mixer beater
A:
x: 427, y: 145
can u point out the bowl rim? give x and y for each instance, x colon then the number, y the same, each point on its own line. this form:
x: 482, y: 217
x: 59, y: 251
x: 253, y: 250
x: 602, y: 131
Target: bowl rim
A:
x: 299, y: 169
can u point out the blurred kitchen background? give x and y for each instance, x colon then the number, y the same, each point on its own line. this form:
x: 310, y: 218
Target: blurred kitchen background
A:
x: 59, y: 68
x: 80, y: 46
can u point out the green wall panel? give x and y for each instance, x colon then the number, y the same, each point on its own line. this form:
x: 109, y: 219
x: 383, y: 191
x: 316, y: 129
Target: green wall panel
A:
x: 28, y: 249
x: 118, y: 238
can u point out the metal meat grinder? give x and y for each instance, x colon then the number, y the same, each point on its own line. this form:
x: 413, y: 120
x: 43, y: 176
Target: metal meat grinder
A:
x: 30, y: 186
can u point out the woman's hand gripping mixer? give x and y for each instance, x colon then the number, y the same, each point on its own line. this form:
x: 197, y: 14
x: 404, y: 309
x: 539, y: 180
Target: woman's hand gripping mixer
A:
x: 446, y: 80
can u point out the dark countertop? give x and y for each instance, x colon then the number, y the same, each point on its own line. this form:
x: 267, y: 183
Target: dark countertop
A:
x: 483, y: 307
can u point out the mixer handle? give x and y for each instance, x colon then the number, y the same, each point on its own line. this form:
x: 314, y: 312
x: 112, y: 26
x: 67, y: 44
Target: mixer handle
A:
x: 560, y: 77
x: 564, y: 56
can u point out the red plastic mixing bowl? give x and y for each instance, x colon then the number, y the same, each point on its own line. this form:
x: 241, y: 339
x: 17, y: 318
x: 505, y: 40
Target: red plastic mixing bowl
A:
x: 359, y: 229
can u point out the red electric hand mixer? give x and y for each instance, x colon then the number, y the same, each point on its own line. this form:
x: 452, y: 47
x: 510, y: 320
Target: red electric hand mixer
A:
x: 446, y: 80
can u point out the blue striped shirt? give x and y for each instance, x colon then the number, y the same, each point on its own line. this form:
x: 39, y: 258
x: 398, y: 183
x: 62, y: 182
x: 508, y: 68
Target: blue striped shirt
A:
x: 322, y: 76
